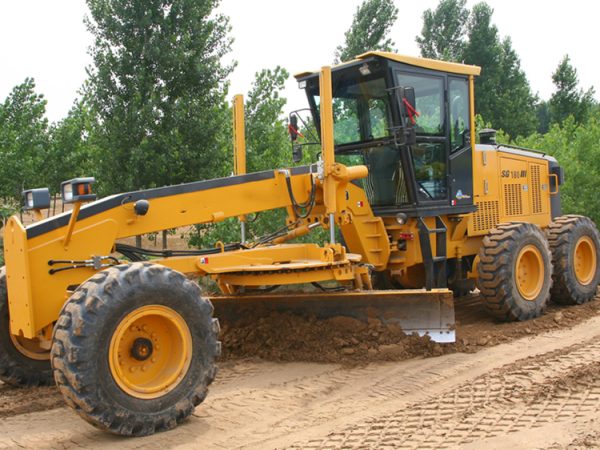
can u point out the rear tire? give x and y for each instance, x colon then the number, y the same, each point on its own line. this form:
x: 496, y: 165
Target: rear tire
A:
x: 16, y: 368
x: 515, y: 271
x: 575, y: 245
x: 134, y: 349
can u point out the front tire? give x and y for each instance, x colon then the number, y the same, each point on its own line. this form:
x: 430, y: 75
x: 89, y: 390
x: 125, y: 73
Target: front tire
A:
x: 575, y: 244
x: 22, y: 361
x: 515, y: 271
x: 134, y: 349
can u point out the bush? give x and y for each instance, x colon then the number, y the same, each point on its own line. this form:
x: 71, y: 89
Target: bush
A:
x: 577, y: 149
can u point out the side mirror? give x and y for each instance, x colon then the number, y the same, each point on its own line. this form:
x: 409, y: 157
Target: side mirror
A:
x: 409, y: 95
x: 293, y: 127
x: 409, y: 102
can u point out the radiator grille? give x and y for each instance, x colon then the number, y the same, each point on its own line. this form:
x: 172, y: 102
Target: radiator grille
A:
x: 486, y: 216
x: 513, y: 205
x: 536, y: 194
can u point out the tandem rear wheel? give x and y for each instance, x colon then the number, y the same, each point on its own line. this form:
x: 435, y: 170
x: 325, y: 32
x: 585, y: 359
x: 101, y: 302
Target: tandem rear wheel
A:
x: 134, y: 349
x: 575, y: 245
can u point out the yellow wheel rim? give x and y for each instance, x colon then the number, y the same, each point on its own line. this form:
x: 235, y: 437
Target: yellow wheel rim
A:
x: 30, y: 348
x: 584, y: 260
x: 529, y: 270
x: 150, y: 351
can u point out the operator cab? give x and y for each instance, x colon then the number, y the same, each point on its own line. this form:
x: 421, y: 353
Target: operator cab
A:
x: 431, y: 173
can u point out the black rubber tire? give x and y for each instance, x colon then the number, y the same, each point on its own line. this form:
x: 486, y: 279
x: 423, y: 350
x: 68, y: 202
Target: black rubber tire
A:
x: 16, y: 368
x: 563, y: 233
x: 80, y: 352
x: 497, y: 281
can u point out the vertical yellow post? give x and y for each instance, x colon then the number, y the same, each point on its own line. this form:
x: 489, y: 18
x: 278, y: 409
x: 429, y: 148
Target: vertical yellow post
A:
x: 327, y: 147
x: 239, y: 136
x: 472, y: 110
x: 239, y: 148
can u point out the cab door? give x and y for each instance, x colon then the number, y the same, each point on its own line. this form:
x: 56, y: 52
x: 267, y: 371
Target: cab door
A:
x: 429, y: 156
x: 461, y: 155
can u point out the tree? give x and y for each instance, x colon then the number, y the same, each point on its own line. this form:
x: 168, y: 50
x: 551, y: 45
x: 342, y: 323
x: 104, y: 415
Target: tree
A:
x: 23, y: 140
x: 267, y: 143
x: 543, y: 117
x: 569, y: 99
x: 503, y: 95
x: 577, y: 149
x: 157, y: 87
x: 72, y: 152
x: 267, y: 148
x: 444, y: 30
x: 371, y: 24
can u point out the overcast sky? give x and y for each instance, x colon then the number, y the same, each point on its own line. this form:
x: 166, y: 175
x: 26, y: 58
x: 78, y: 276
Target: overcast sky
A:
x: 46, y: 39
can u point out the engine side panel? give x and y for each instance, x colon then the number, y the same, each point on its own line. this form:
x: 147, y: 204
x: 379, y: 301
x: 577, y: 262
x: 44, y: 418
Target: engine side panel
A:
x: 509, y: 186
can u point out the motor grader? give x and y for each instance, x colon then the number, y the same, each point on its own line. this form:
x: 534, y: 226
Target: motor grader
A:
x: 414, y: 209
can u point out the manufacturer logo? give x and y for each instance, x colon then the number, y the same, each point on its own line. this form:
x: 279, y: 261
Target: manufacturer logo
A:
x: 461, y: 196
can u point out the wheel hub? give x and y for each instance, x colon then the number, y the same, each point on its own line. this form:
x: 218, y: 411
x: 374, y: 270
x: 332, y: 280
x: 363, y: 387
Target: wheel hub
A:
x: 529, y: 271
x: 141, y: 349
x: 584, y: 260
x: 150, y: 351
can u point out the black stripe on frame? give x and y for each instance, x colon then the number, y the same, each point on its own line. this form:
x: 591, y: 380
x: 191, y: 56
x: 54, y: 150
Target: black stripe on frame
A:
x: 114, y: 201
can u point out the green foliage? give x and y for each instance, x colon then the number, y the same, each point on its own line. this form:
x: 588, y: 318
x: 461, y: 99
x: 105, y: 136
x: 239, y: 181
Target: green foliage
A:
x: 543, y: 117
x: 569, y: 99
x: 577, y: 149
x: 24, y: 141
x: 157, y: 87
x: 503, y: 94
x: 371, y: 24
x: 267, y: 148
x: 267, y: 142
x: 444, y: 29
x: 8, y: 207
x: 71, y: 150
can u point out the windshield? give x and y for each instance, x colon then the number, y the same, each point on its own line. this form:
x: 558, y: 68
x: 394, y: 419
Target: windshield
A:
x: 361, y: 109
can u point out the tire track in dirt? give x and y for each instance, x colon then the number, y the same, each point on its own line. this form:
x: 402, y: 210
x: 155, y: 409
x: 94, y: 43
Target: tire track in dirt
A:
x: 20, y: 400
x: 255, y: 404
x: 534, y: 392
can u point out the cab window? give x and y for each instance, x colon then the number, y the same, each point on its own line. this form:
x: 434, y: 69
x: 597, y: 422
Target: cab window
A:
x: 458, y: 100
x: 429, y: 96
x: 361, y: 110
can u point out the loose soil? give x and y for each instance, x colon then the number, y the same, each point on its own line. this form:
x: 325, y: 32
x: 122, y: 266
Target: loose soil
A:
x: 286, y: 337
x: 532, y: 385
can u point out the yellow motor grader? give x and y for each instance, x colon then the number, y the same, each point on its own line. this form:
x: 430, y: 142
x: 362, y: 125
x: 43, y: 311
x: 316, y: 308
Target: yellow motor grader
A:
x: 415, y: 210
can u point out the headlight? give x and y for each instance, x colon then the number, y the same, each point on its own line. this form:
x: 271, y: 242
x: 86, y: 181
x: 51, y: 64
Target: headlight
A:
x: 401, y: 218
x: 36, y: 199
x: 77, y: 190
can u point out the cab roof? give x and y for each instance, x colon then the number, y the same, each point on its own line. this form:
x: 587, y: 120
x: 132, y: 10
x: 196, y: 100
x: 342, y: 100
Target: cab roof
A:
x: 426, y: 63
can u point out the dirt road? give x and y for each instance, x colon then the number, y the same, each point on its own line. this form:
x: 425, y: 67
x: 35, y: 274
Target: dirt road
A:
x: 541, y: 390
